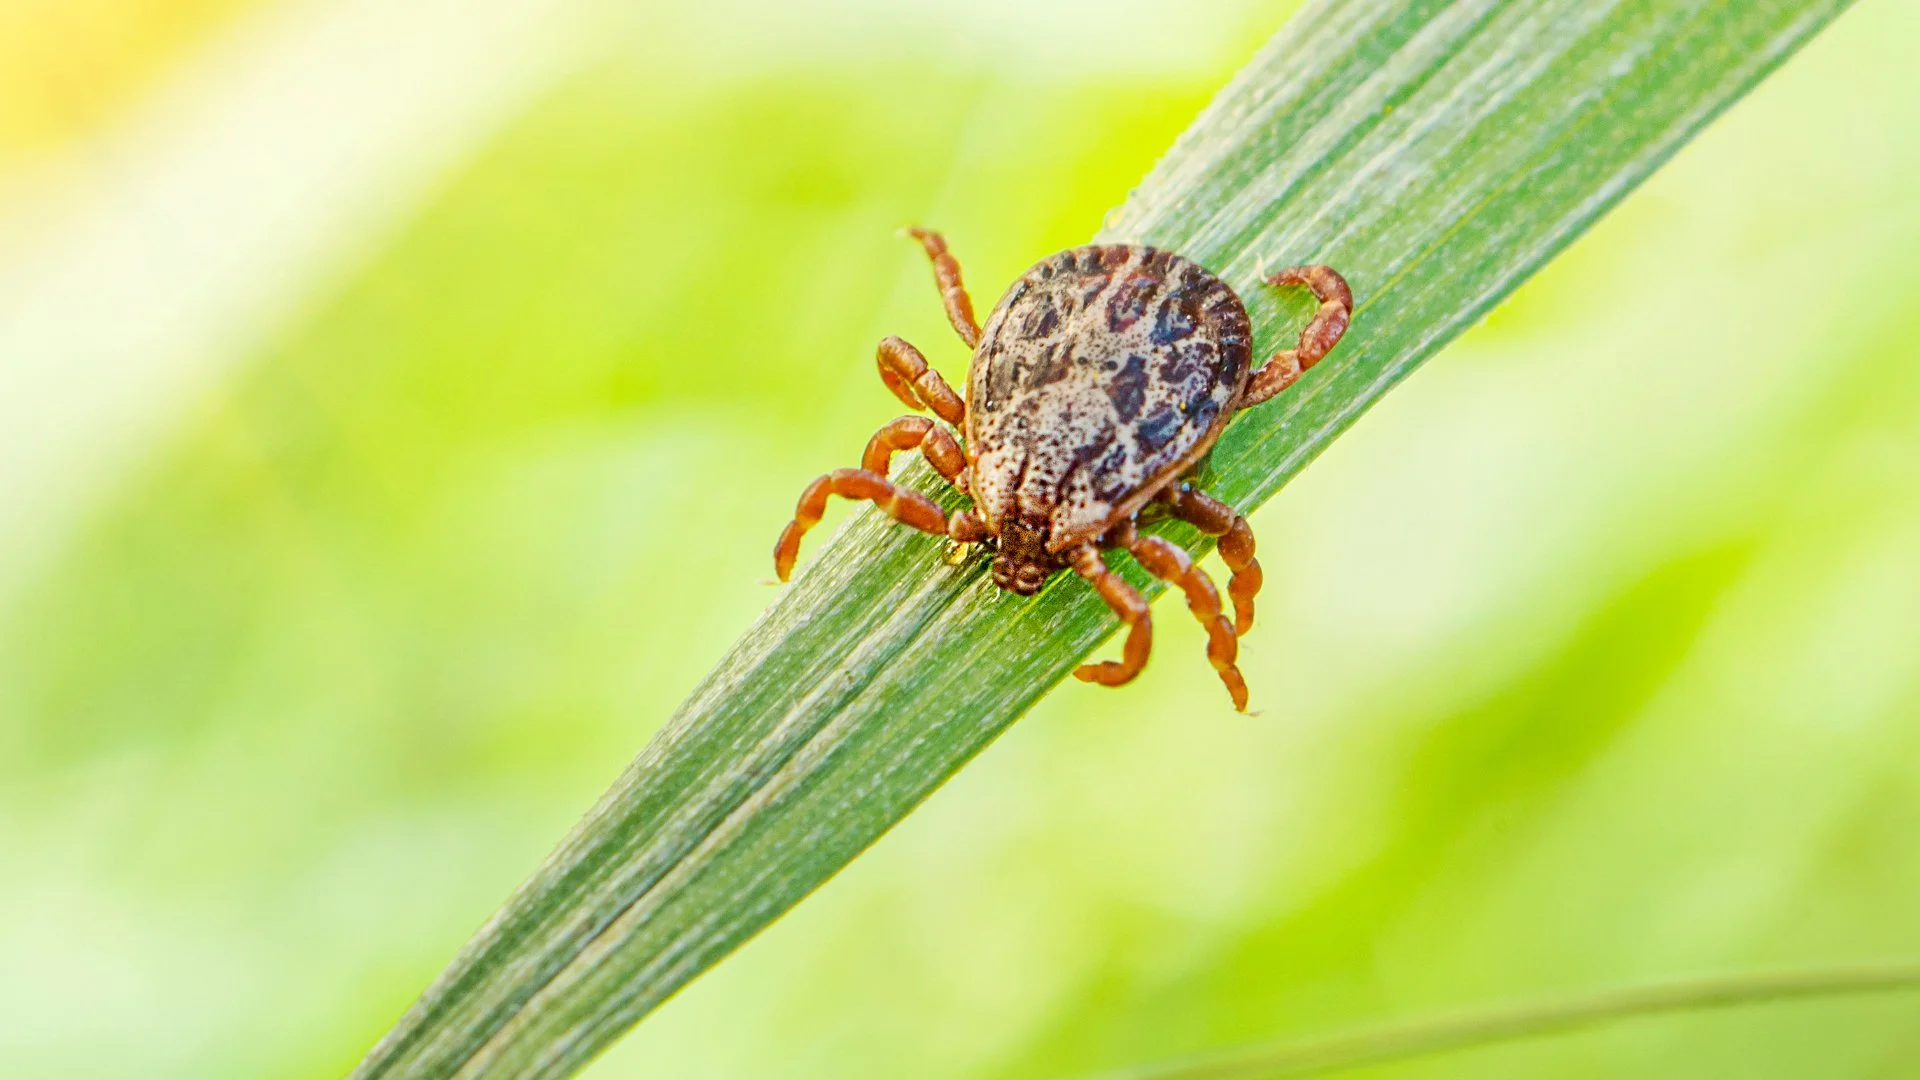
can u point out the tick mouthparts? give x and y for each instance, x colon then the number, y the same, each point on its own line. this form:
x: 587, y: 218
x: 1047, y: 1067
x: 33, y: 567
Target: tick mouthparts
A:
x: 1023, y: 579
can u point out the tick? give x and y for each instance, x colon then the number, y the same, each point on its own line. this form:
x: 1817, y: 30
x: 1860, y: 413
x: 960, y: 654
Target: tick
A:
x: 1100, y: 382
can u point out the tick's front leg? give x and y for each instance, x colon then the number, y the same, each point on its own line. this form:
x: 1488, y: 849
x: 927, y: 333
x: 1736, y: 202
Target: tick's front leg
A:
x: 916, y: 384
x: 905, y: 505
x: 1127, y: 603
x: 946, y: 274
x: 1320, y: 335
x: 911, y: 432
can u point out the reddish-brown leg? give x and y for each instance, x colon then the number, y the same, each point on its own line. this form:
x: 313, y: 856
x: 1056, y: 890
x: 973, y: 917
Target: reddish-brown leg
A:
x: 940, y: 449
x: 1320, y: 335
x: 946, y: 273
x: 1173, y: 566
x: 907, y: 506
x: 966, y: 526
x: 917, y: 385
x: 1127, y: 603
x: 1215, y: 518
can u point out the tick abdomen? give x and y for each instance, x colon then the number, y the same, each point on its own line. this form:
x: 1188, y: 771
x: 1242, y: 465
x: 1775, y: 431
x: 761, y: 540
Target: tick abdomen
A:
x: 1103, y: 372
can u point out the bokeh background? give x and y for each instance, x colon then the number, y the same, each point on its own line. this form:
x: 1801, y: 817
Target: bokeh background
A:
x: 399, y: 399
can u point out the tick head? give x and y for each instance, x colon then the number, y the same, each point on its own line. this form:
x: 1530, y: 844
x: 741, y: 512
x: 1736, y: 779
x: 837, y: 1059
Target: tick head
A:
x: 1022, y: 578
x: 1024, y: 564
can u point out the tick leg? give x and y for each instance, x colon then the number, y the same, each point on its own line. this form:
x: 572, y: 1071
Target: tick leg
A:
x: 1127, y: 603
x: 1171, y: 565
x: 966, y: 527
x: 1215, y: 518
x: 1336, y: 306
x: 918, y: 386
x: 946, y: 273
x: 907, y: 506
x: 934, y: 443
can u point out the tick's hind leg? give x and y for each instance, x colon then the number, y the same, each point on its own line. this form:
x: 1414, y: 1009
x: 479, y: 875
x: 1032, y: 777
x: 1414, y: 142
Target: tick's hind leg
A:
x: 1320, y: 335
x: 1171, y: 565
x: 1215, y: 518
x: 1127, y: 603
x: 946, y: 273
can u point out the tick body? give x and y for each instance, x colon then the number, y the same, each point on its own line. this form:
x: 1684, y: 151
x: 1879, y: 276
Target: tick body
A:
x: 1101, y: 380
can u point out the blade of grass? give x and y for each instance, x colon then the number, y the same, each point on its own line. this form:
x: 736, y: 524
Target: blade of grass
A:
x: 1376, y: 1046
x: 1437, y: 152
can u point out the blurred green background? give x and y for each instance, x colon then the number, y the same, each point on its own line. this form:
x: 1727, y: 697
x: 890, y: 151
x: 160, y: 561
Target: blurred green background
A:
x: 400, y: 401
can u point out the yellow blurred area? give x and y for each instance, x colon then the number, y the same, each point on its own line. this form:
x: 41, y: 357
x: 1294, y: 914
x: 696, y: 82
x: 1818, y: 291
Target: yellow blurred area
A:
x: 67, y: 66
x: 397, y: 425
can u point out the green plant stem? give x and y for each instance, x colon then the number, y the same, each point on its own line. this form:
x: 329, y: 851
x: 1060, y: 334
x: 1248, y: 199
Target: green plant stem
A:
x: 1436, y: 151
x: 1377, y: 1046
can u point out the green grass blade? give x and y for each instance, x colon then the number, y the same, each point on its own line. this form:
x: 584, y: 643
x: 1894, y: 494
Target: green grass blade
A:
x: 1340, y: 1053
x: 1436, y: 152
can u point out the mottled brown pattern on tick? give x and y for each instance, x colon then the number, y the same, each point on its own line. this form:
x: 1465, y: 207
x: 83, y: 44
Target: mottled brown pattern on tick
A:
x: 1104, y: 372
x: 1099, y: 381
